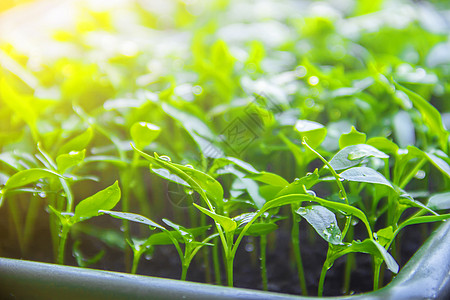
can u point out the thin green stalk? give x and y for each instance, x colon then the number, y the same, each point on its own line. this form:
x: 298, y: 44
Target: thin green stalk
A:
x: 229, y: 261
x: 342, y: 192
x: 14, y: 211
x: 376, y: 274
x: 30, y: 221
x: 216, y: 263
x: 184, y: 269
x: 229, y: 256
x: 205, y: 250
x: 296, y: 249
x: 263, y: 248
x: 349, y: 264
x: 62, y: 243
x: 412, y: 173
x: 136, y: 258
x: 323, y: 273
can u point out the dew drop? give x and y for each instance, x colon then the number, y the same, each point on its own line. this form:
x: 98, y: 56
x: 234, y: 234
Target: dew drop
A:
x: 297, y: 181
x: 312, y: 193
x: 189, y: 166
x: 341, y: 195
x: 249, y: 247
x: 148, y: 257
x: 326, y: 233
x: 42, y: 194
x: 165, y: 157
x: 122, y: 228
x: 73, y: 152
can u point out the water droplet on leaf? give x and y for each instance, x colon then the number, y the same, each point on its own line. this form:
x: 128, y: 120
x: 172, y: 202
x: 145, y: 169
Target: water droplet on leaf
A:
x: 165, y: 157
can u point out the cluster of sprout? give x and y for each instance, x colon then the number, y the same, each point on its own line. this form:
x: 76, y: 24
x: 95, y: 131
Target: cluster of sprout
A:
x: 313, y: 121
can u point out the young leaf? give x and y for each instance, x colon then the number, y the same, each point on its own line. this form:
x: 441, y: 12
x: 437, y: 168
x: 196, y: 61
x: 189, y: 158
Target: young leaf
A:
x: 199, y: 181
x: 323, y: 221
x: 313, y: 131
x: 435, y: 160
x: 269, y: 178
x: 144, y: 133
x: 68, y: 160
x: 430, y: 115
x: 383, y: 144
x: 131, y: 217
x: 353, y: 155
x: 77, y: 143
x: 187, y: 236
x: 354, y: 137
x: 227, y: 224
x: 104, y: 200
x: 385, y: 235
x: 439, y: 201
x: 296, y: 187
x: 364, y: 174
x: 259, y: 229
x: 369, y: 246
x: 299, y: 198
x: 28, y: 176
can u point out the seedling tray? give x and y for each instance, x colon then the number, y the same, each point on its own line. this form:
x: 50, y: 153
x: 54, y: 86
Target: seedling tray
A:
x: 425, y: 276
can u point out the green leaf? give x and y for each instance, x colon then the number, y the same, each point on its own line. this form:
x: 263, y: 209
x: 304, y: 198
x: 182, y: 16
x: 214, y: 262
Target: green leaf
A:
x: 385, y: 235
x: 227, y: 224
x: 63, y: 217
x: 323, y: 221
x: 439, y: 163
x: 353, y: 155
x: 421, y: 220
x: 187, y: 236
x: 435, y: 160
x: 269, y: 178
x: 131, y: 217
x: 104, y: 200
x: 430, y: 115
x: 66, y: 161
x: 314, y: 132
x: 299, y: 198
x: 201, y: 182
x: 28, y: 176
x: 383, y: 144
x: 354, y: 137
x: 144, y: 133
x: 439, y: 201
x: 260, y: 229
x: 368, y: 246
x: 77, y: 143
x: 365, y: 174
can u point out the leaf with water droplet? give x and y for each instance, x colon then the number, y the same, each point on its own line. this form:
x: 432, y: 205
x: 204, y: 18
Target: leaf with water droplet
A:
x: 68, y: 160
x: 143, y: 133
x: 313, y: 131
x: 201, y: 182
x: 131, y: 217
x: 353, y: 155
x: 77, y: 143
x: 365, y: 174
x: 28, y: 176
x: 369, y: 246
x: 323, y: 221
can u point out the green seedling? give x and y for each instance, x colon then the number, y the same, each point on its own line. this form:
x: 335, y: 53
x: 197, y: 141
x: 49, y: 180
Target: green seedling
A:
x: 179, y: 235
